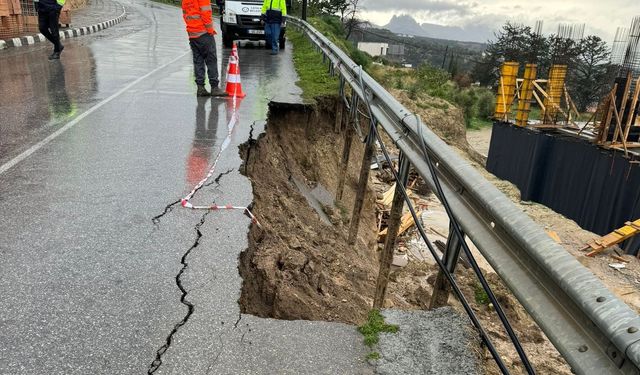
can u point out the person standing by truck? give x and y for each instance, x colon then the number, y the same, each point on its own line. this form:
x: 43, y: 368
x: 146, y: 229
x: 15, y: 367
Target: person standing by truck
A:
x: 48, y: 18
x: 197, y: 16
x: 273, y: 14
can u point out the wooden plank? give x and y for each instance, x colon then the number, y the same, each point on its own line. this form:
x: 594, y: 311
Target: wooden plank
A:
x: 625, y: 94
x: 548, y: 126
x: 629, y: 145
x: 539, y: 101
x: 405, y: 223
x: 634, y: 103
x: 593, y: 117
x: 619, y: 128
x: 617, y: 236
x: 554, y: 236
x: 504, y: 101
x: 387, y: 197
x: 556, y: 106
x: 607, y: 120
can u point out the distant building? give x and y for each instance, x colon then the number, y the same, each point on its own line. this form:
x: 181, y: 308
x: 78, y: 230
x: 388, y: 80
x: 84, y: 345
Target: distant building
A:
x: 374, y: 49
x: 396, y: 49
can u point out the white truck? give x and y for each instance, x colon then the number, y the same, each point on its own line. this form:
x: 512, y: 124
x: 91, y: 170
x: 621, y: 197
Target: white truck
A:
x: 240, y: 20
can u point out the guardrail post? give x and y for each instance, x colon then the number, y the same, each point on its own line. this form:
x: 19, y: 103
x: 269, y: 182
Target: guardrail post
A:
x: 339, y: 109
x: 594, y: 330
x: 304, y: 10
x: 392, y: 233
x: 362, y: 186
x: 344, y: 164
x: 441, y: 287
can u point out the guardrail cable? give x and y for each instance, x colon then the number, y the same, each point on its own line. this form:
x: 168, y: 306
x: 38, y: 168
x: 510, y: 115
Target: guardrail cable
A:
x: 557, y: 291
x: 485, y: 338
x: 458, y: 232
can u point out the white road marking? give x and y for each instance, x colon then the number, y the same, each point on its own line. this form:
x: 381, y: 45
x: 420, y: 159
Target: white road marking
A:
x: 8, y: 165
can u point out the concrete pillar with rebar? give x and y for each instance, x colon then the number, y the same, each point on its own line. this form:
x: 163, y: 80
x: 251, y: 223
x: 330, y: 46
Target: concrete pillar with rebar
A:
x: 526, y: 94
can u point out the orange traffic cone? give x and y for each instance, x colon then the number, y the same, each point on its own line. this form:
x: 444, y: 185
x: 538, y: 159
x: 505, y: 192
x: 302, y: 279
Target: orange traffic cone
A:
x: 234, y: 51
x: 234, y: 87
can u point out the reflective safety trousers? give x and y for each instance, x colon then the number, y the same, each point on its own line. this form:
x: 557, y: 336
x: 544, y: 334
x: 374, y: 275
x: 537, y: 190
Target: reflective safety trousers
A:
x: 197, y: 17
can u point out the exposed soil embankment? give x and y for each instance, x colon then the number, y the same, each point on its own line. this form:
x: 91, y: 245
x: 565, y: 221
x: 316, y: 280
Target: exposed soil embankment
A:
x: 299, y: 265
x: 443, y: 118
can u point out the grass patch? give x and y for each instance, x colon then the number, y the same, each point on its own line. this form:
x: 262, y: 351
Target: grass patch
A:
x: 374, y: 325
x: 314, y: 74
x: 480, y: 295
x: 374, y: 356
x: 479, y: 123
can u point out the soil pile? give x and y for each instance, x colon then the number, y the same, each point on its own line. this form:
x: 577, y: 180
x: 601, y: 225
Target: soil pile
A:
x: 442, y: 117
x: 297, y: 265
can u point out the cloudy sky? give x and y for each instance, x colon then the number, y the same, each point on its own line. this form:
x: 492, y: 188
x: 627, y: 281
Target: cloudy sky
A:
x: 601, y: 17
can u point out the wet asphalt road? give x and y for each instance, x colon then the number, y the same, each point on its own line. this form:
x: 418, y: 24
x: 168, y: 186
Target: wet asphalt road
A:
x: 91, y: 149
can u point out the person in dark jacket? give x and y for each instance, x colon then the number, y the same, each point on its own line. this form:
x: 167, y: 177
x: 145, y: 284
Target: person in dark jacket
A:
x: 48, y: 17
x: 273, y: 15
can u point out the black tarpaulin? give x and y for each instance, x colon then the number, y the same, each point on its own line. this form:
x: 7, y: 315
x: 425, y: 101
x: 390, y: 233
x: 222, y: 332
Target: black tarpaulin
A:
x: 597, y: 188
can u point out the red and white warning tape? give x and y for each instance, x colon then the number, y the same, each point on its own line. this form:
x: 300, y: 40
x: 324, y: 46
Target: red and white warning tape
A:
x: 185, y: 202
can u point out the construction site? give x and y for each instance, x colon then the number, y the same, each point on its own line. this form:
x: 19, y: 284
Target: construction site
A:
x: 393, y: 243
x: 586, y: 170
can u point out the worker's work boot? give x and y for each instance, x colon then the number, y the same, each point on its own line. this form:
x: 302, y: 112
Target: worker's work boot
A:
x: 216, y: 91
x: 202, y: 91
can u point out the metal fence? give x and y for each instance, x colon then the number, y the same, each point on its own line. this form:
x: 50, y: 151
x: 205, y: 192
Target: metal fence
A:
x: 594, y: 331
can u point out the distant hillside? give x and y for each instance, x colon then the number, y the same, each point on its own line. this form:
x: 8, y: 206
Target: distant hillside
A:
x: 405, y: 24
x: 419, y: 50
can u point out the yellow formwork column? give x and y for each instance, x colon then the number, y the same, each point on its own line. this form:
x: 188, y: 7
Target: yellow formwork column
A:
x: 555, y: 90
x: 526, y: 93
x: 506, y: 90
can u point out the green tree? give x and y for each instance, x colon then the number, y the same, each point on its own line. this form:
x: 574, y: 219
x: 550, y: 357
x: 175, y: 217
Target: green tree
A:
x: 340, y: 7
x: 588, y: 77
x: 511, y: 44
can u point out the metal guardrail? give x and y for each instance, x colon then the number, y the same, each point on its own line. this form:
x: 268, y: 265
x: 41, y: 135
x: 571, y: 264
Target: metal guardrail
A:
x: 593, y: 330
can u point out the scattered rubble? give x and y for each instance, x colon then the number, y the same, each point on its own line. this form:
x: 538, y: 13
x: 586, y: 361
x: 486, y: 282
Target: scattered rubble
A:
x: 299, y: 265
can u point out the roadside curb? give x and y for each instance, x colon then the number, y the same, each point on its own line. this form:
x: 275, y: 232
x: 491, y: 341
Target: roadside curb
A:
x: 70, y: 33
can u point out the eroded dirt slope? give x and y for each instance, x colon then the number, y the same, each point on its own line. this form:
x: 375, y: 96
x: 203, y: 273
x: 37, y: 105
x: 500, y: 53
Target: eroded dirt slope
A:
x: 299, y: 265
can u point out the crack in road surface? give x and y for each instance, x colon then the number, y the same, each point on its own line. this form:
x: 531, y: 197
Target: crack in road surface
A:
x: 215, y: 360
x: 167, y: 209
x: 250, y: 142
x: 235, y: 325
x: 183, y: 299
x: 217, y: 179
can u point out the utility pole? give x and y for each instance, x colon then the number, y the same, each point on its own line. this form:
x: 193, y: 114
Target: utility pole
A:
x: 304, y: 10
x: 445, y: 56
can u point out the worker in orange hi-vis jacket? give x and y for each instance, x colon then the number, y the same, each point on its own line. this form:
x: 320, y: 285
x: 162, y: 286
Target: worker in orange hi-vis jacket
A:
x: 198, y: 18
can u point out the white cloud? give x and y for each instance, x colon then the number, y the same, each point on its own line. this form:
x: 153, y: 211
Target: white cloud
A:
x: 601, y: 17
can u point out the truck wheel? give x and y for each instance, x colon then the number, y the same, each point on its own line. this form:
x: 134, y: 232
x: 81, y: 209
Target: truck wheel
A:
x: 282, y: 42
